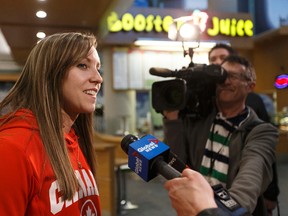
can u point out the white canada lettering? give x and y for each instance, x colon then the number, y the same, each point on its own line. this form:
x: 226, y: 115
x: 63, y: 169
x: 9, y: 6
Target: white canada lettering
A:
x: 56, y: 204
x: 87, y: 187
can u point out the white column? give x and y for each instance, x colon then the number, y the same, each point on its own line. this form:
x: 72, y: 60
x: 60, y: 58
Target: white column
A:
x: 119, y: 106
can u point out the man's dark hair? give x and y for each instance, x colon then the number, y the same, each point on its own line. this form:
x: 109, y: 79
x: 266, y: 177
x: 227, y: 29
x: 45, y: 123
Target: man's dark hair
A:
x: 223, y: 46
x: 249, y: 73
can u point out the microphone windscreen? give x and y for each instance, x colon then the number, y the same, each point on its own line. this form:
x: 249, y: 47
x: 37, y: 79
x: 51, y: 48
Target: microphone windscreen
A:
x: 126, y: 141
x: 162, y: 72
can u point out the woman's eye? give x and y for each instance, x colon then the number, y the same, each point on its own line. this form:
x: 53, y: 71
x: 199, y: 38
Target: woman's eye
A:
x: 84, y: 66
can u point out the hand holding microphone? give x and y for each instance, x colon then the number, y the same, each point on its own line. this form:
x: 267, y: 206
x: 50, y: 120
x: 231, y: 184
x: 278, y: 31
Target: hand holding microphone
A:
x: 191, y: 194
x: 149, y: 157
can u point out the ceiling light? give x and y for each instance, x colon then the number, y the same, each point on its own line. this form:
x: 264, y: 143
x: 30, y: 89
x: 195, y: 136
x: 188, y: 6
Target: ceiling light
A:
x: 41, y: 14
x: 41, y: 35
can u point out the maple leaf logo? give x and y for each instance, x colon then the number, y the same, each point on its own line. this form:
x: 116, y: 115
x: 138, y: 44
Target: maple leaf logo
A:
x: 89, y: 212
x: 88, y: 209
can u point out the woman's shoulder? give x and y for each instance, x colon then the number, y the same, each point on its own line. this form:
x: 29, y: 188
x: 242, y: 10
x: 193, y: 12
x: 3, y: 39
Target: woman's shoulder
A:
x: 18, y: 128
x: 20, y: 138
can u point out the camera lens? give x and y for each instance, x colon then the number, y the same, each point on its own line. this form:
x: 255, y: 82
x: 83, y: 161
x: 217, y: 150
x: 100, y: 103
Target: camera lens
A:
x: 173, y: 95
x: 169, y: 95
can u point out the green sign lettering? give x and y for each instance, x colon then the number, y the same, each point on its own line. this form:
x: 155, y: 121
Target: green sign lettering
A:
x: 113, y: 22
x: 138, y: 23
x: 127, y: 22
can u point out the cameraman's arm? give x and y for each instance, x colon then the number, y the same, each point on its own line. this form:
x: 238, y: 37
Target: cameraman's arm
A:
x: 255, y: 169
x: 173, y: 128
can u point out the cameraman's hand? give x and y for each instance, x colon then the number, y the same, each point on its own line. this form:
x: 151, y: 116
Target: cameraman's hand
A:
x: 171, y: 115
x: 190, y: 194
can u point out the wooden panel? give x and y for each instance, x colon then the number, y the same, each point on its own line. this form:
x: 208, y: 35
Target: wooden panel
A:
x: 282, y: 146
x: 9, y: 76
x: 109, y: 154
x: 270, y: 55
x: 116, y: 140
x: 106, y: 177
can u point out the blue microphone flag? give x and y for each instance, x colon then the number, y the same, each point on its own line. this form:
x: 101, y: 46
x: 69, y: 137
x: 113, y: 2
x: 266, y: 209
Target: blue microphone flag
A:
x: 143, y: 152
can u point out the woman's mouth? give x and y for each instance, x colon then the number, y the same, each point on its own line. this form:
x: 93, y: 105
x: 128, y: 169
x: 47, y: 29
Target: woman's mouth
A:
x: 90, y: 92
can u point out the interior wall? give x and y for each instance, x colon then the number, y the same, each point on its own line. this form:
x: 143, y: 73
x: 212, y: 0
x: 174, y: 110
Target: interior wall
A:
x: 268, y: 57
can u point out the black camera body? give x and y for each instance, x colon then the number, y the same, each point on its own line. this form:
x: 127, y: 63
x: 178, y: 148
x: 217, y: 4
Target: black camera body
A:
x: 192, y: 92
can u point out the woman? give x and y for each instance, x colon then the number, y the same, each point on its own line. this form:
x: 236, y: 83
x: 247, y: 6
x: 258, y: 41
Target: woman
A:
x: 46, y: 135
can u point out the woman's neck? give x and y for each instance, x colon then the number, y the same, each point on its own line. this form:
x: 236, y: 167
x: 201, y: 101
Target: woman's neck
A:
x: 67, y: 122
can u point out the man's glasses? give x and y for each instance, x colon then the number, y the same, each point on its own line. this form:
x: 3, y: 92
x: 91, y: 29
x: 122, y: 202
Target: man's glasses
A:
x: 236, y: 76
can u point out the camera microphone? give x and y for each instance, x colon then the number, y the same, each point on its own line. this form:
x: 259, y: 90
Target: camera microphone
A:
x: 162, y: 72
x: 201, y: 71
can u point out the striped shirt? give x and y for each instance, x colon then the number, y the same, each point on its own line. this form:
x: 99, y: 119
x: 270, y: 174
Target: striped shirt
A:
x: 215, y: 162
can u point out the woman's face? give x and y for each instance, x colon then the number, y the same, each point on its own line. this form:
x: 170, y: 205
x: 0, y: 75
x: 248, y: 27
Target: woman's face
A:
x: 81, y: 85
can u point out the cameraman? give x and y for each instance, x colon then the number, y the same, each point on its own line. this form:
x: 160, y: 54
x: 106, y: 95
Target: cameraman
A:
x: 215, y: 56
x: 217, y: 145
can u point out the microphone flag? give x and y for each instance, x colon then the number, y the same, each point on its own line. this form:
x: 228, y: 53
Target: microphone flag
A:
x: 143, y: 152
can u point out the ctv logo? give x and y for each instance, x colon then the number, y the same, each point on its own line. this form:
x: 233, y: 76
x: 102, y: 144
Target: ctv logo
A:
x: 149, y: 147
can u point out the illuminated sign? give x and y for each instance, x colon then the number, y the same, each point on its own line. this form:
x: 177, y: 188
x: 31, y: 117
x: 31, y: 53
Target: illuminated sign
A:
x: 138, y: 23
x: 281, y: 81
x: 231, y: 27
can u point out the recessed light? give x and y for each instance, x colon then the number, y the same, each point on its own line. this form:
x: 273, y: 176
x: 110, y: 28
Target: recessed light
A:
x: 41, y: 14
x: 41, y: 35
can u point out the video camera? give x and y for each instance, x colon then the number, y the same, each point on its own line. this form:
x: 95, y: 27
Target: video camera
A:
x: 192, y: 92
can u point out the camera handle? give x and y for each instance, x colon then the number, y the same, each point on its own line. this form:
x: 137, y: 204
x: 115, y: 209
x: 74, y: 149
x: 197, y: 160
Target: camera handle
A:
x: 189, y: 52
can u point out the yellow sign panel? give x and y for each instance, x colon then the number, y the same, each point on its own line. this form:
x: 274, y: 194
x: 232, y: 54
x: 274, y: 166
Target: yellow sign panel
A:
x: 139, y: 23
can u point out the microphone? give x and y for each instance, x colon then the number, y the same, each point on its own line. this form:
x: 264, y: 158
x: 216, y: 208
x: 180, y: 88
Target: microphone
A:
x: 148, y: 157
x: 175, y: 162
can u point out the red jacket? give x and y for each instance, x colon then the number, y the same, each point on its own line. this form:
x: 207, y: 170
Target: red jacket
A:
x: 28, y: 185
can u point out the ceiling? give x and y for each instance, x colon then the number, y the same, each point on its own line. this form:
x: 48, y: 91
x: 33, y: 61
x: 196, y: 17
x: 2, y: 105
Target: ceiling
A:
x: 19, y: 23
